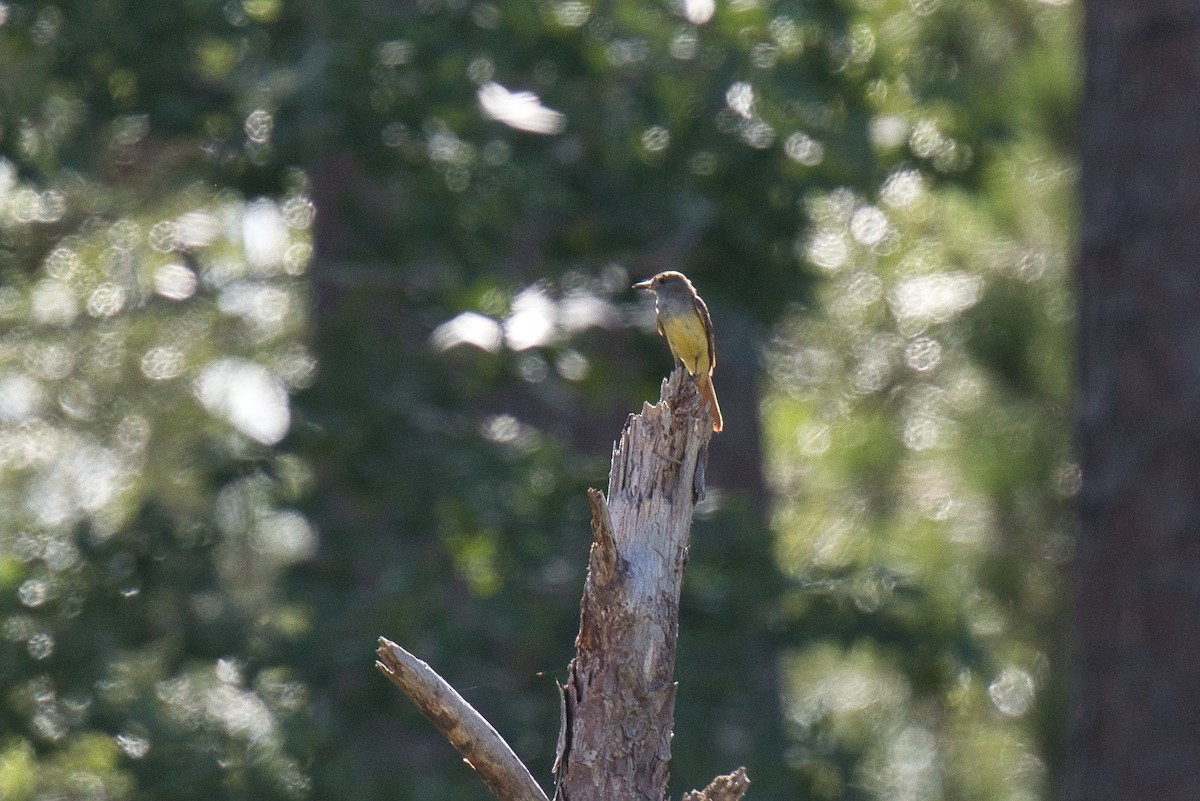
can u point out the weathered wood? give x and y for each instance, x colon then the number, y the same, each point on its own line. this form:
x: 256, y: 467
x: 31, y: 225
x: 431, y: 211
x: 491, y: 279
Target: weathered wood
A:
x: 619, y: 697
x: 618, y: 702
x: 481, y: 746
x: 723, y: 788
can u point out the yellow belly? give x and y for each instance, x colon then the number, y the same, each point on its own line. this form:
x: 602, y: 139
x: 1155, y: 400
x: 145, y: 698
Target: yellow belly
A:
x: 688, y: 341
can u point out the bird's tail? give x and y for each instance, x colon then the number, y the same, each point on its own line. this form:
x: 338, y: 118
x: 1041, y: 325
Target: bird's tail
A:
x: 709, y: 396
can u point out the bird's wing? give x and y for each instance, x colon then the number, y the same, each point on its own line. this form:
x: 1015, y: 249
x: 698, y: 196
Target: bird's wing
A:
x: 702, y: 310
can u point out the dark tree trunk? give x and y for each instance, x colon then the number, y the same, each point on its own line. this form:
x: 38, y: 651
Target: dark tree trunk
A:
x: 1135, y: 728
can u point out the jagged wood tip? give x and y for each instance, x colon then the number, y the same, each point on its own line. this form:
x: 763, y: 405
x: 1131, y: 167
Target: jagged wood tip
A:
x: 730, y: 787
x: 603, y: 563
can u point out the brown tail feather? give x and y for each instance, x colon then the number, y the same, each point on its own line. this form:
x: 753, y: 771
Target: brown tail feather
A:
x: 709, y: 396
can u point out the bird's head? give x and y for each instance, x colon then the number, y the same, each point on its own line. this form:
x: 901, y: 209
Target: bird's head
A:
x: 668, y: 280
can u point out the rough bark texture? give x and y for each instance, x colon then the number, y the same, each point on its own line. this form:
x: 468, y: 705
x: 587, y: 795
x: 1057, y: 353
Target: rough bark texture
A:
x: 619, y: 698
x: 1135, y: 726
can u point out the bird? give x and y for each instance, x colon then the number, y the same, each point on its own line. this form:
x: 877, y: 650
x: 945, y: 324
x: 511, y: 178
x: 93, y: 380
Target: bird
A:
x: 684, y: 321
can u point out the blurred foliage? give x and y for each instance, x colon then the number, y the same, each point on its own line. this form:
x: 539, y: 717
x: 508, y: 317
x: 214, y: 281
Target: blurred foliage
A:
x: 315, y: 330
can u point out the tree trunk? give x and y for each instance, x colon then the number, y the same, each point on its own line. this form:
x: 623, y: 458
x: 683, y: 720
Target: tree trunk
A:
x: 619, y: 698
x: 1135, y: 727
x: 618, y: 701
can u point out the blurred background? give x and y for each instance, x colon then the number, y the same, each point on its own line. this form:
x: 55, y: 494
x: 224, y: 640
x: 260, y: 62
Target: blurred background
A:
x: 317, y: 323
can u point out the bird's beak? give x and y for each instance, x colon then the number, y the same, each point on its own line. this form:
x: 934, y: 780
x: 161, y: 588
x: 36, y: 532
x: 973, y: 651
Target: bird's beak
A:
x: 647, y: 284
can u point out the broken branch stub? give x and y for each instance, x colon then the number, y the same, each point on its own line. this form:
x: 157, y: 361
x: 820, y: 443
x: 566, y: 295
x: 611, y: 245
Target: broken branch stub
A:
x: 480, y: 745
x: 619, y: 697
x: 723, y: 788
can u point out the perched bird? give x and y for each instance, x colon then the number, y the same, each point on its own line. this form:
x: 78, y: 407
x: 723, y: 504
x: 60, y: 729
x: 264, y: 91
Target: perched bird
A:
x: 683, y: 320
